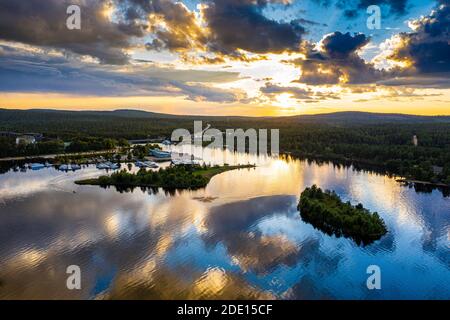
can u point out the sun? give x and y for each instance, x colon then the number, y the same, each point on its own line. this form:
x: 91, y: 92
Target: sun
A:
x: 285, y: 101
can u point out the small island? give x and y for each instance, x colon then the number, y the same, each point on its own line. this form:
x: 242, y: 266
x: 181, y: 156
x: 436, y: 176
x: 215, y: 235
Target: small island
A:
x: 173, y: 177
x: 326, y: 212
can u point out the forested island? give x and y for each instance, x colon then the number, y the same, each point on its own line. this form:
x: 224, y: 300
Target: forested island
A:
x: 174, y: 177
x: 326, y: 212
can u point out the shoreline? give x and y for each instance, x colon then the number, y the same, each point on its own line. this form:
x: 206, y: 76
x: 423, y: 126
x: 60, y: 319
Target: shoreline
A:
x: 363, y: 163
x: 208, y: 174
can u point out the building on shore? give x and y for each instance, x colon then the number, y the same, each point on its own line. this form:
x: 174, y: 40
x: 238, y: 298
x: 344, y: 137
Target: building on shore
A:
x: 415, y: 141
x: 25, y: 139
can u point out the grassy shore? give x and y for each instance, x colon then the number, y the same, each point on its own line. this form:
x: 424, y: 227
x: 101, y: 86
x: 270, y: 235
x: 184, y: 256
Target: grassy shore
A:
x: 179, y: 177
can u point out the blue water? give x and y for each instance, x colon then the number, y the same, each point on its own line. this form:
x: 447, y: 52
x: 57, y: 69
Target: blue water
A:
x: 240, y: 237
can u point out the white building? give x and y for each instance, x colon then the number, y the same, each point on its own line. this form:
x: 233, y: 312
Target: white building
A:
x: 25, y: 139
x: 415, y: 141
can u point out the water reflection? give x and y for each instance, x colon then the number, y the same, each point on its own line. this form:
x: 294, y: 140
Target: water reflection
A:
x: 240, y: 237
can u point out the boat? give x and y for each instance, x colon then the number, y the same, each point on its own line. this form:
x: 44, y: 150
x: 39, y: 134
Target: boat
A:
x: 102, y: 166
x: 37, y: 166
x: 48, y: 165
x: 76, y: 167
x: 114, y: 166
x: 166, y: 143
x: 146, y: 164
x: 108, y: 165
x: 160, y: 154
x: 64, y: 167
x: 185, y: 162
x: 140, y: 164
x: 152, y: 164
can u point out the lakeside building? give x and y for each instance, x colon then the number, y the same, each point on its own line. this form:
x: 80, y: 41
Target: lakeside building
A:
x: 25, y: 139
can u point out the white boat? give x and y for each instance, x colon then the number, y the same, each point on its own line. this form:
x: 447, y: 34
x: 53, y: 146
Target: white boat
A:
x: 48, y: 165
x: 64, y: 167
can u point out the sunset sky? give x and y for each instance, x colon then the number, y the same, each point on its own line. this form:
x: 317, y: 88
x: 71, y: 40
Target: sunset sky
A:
x: 227, y: 57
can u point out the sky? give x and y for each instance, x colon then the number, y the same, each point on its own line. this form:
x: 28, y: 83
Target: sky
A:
x: 227, y: 57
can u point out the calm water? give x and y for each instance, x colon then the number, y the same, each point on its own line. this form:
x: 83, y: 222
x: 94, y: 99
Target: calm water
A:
x: 240, y: 237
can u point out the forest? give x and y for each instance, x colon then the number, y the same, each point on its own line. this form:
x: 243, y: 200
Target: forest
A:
x: 173, y: 177
x: 383, y: 142
x: 326, y: 212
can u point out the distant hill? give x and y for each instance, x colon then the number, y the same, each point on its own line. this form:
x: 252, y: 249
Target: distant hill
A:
x: 135, y: 124
x: 355, y: 117
x: 349, y: 117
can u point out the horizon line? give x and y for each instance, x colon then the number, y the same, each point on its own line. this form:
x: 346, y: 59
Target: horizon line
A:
x: 229, y: 116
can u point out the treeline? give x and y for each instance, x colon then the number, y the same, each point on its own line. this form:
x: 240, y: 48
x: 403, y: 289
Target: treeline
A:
x: 386, y: 147
x: 9, y: 148
x: 326, y: 212
x: 178, y: 177
x: 368, y: 140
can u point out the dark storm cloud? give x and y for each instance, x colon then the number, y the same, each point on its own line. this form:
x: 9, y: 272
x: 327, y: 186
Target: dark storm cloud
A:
x: 427, y: 48
x: 341, y: 45
x: 240, y: 24
x: 43, y: 23
x: 337, y: 61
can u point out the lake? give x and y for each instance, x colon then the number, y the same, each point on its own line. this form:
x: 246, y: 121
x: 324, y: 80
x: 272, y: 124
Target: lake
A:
x: 240, y: 237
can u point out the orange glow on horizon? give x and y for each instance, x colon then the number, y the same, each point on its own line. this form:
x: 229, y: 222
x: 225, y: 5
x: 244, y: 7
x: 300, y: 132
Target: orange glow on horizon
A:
x: 181, y: 106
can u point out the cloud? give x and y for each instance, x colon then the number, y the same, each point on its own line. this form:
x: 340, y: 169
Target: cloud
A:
x: 437, y: 81
x: 427, y: 48
x: 336, y: 61
x: 397, y: 7
x: 241, y: 24
x: 43, y: 23
x: 304, y: 94
x: 420, y: 58
x: 351, y: 8
x: 223, y: 28
x: 35, y: 73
